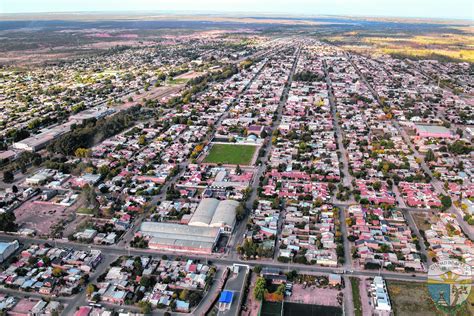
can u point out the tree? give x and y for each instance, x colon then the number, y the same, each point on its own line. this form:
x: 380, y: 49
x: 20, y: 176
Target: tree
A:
x: 377, y: 185
x: 384, y: 248
x: 104, y: 170
x: 240, y: 212
x: 7, y: 222
x: 141, y: 140
x: 281, y: 289
x: 276, y: 203
x: 57, y: 272
x: 194, y: 298
x: 90, y: 289
x: 260, y: 288
x: 238, y: 170
x: 257, y: 269
x: 291, y: 275
x: 145, y: 307
x: 146, y: 281
x: 90, y: 196
x: 184, y: 295
x: 340, y: 251
x: 82, y: 152
x: 430, y: 156
x: 8, y: 176
x: 446, y: 202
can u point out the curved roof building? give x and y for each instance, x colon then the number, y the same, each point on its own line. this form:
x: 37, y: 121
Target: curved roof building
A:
x: 224, y: 214
x: 177, y: 237
x: 204, y: 212
x: 214, y: 213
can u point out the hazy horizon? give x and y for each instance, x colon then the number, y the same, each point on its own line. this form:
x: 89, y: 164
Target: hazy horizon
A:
x: 458, y: 9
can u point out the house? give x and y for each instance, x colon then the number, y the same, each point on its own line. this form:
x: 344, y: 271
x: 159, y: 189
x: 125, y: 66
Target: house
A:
x: 83, y: 311
x: 182, y: 306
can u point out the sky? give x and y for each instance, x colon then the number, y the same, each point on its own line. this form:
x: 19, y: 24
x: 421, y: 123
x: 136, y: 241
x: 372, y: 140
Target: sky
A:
x: 457, y: 9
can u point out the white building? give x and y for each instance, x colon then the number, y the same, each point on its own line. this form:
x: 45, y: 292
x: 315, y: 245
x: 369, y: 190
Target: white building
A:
x: 379, y: 294
x: 7, y: 249
x: 215, y: 213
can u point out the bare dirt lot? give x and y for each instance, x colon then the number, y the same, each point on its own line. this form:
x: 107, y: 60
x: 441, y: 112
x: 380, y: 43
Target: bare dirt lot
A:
x: 189, y: 75
x: 41, y: 216
x: 326, y: 296
x: 155, y: 93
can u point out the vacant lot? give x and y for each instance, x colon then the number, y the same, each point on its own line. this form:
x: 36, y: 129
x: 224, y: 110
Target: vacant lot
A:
x: 421, y: 221
x: 326, y: 296
x: 41, y: 216
x: 230, y: 154
x: 411, y: 298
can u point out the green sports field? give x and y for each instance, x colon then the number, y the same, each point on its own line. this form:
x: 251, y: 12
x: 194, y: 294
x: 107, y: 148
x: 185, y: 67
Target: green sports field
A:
x: 230, y: 154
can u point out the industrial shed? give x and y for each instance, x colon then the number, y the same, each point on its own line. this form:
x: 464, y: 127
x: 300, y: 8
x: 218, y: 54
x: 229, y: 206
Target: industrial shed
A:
x: 177, y: 237
x: 215, y: 213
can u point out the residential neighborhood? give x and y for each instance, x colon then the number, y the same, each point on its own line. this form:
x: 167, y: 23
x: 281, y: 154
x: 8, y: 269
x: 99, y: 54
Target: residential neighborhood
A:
x: 257, y: 171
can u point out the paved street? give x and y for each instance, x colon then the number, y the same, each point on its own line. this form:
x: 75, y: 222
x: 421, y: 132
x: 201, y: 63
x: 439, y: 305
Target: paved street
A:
x: 416, y: 231
x: 235, y: 284
x: 241, y: 228
x: 216, y: 259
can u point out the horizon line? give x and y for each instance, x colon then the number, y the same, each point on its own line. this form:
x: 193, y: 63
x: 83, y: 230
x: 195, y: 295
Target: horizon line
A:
x: 235, y: 14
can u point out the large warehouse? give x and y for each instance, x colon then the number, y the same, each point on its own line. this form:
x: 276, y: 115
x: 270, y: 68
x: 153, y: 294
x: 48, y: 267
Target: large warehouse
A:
x: 177, y: 237
x: 7, y: 249
x: 215, y: 213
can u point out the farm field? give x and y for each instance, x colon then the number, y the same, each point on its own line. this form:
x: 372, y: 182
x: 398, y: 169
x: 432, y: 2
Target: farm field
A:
x: 230, y: 154
x: 454, y: 44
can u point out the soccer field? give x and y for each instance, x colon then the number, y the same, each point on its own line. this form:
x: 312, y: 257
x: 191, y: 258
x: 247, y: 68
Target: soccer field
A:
x: 230, y: 154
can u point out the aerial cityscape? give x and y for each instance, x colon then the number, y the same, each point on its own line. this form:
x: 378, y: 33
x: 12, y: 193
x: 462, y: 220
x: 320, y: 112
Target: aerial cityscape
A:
x: 224, y: 159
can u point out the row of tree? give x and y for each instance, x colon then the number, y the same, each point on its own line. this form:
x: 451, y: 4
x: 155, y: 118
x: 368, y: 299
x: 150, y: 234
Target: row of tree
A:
x: 93, y: 132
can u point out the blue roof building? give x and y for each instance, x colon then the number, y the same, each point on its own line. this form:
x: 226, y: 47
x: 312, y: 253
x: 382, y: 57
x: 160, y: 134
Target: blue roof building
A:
x: 225, y: 300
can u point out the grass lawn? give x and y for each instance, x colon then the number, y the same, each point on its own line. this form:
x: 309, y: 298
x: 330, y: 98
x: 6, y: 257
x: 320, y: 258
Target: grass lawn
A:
x: 230, y: 154
x: 85, y: 211
x: 177, y: 81
x: 356, y: 296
